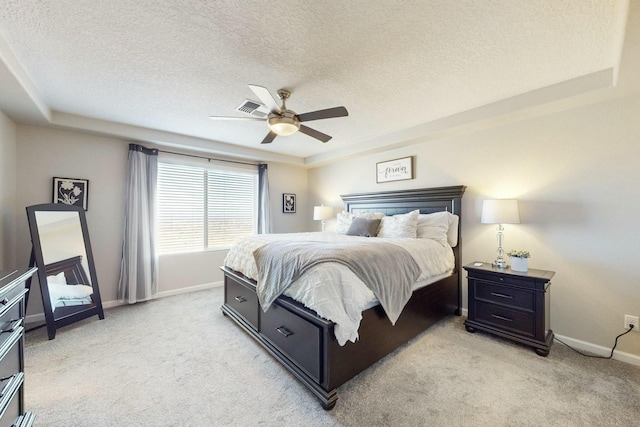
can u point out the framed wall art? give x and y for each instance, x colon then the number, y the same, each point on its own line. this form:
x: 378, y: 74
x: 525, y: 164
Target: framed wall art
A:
x: 395, y: 170
x: 71, y: 191
x: 288, y: 203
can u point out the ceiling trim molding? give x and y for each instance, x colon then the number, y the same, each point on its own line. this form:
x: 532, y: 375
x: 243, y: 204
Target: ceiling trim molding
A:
x: 33, y: 106
x: 580, y: 91
x: 165, y: 139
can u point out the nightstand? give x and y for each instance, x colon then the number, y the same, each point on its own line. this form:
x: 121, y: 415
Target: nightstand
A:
x: 510, y: 304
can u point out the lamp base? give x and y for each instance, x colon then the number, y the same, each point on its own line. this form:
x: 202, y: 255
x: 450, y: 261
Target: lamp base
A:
x: 500, y: 263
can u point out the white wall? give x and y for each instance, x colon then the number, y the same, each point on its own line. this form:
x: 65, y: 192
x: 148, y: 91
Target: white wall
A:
x: 44, y: 153
x: 575, y: 174
x: 7, y: 192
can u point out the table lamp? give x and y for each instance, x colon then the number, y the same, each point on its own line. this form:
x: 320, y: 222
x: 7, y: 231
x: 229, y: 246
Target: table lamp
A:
x: 322, y: 213
x: 501, y: 211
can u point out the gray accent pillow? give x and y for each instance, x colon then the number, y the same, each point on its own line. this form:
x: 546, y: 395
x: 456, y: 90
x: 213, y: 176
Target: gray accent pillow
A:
x: 363, y: 227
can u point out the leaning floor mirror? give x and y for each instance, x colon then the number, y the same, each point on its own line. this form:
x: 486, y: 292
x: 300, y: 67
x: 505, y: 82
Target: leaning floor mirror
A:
x: 62, y: 252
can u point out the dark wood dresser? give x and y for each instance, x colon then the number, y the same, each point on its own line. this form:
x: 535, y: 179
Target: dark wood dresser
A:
x: 12, y: 313
x: 510, y: 304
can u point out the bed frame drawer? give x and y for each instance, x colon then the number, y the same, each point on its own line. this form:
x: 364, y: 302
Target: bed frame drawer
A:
x: 242, y: 300
x: 294, y: 336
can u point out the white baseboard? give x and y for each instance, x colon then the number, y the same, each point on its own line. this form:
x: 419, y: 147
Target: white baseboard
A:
x: 600, y: 350
x: 39, y: 317
x: 189, y: 289
x: 591, y: 348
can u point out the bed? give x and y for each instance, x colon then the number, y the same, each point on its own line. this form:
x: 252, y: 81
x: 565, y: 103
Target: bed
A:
x: 304, y: 342
x: 70, y: 299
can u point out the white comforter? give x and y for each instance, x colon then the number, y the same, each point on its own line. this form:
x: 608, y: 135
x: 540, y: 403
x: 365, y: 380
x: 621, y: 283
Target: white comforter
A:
x: 332, y: 290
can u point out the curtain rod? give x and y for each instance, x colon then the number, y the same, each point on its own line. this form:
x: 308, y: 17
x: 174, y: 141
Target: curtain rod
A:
x: 209, y: 158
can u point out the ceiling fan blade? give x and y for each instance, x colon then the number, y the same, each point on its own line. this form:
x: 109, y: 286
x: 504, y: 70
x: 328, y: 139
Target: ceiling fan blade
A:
x: 237, y: 118
x: 266, y: 98
x: 269, y: 138
x: 314, y: 133
x: 323, y: 114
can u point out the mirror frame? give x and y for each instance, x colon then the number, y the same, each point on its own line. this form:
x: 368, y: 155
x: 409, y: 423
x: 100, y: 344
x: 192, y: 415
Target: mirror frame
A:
x: 69, y: 314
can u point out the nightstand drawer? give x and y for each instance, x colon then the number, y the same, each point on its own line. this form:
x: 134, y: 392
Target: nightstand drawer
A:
x: 503, y: 278
x: 505, y: 295
x: 504, y: 318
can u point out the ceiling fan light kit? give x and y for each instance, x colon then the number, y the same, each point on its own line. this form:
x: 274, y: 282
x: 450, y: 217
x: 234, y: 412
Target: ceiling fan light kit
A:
x: 285, y: 124
x: 282, y: 121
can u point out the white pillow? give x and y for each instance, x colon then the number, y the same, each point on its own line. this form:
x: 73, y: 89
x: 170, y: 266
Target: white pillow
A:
x: 59, y: 290
x: 439, y: 226
x: 402, y: 225
x: 436, y: 226
x: 344, y: 219
x: 58, y: 279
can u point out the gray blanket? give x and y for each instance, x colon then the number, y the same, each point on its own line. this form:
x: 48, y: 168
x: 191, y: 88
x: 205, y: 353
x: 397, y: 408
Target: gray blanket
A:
x: 387, y: 269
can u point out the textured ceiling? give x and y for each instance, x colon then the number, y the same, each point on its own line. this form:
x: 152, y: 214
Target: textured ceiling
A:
x: 168, y: 65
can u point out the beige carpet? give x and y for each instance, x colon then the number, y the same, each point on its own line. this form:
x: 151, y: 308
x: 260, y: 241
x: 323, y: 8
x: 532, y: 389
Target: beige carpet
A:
x: 178, y: 362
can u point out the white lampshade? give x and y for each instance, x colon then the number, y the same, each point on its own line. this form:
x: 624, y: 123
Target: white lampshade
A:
x: 320, y: 213
x: 502, y: 211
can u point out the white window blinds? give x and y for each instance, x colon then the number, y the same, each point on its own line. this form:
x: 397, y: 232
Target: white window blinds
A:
x: 204, y: 207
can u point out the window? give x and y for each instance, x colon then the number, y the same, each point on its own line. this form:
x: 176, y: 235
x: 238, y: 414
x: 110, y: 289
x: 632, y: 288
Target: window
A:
x: 204, y: 207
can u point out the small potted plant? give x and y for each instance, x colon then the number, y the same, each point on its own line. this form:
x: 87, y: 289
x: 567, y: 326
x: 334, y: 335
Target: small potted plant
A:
x: 519, y: 260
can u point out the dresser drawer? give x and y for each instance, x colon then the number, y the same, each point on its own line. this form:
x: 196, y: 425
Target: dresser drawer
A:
x: 25, y: 420
x: 505, y: 295
x: 242, y: 299
x: 10, y: 304
x: 10, y: 399
x: 505, y: 318
x: 10, y: 352
x: 294, y: 336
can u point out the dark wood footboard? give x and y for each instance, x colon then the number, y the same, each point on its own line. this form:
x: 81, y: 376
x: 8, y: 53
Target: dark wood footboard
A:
x: 304, y: 343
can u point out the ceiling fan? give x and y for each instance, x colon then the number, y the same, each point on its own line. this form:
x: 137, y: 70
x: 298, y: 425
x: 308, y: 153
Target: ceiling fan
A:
x: 283, y: 121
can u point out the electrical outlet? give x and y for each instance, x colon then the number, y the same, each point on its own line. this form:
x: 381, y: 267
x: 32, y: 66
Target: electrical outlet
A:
x: 631, y: 320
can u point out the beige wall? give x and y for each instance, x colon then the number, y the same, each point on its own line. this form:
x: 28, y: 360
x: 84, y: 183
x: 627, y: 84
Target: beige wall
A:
x: 7, y: 192
x: 289, y: 179
x: 575, y: 174
x: 43, y: 153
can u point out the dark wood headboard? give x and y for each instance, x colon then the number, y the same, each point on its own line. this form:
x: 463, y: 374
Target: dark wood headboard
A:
x: 72, y: 268
x: 427, y: 200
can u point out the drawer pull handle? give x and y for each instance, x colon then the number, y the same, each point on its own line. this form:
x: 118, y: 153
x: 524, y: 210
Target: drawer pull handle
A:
x: 6, y: 385
x: 496, y: 294
x: 12, y: 326
x: 240, y: 299
x: 284, y: 331
x: 4, y: 301
x: 506, y: 319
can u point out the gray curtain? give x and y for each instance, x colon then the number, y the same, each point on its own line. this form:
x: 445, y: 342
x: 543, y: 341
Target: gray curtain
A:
x: 264, y: 206
x: 139, y: 267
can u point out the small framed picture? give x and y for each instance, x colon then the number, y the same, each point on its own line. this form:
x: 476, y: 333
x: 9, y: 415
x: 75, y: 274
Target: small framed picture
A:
x: 394, y: 170
x: 71, y: 191
x: 288, y: 203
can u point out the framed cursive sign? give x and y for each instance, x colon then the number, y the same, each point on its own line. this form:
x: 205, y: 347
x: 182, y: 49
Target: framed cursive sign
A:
x: 394, y: 170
